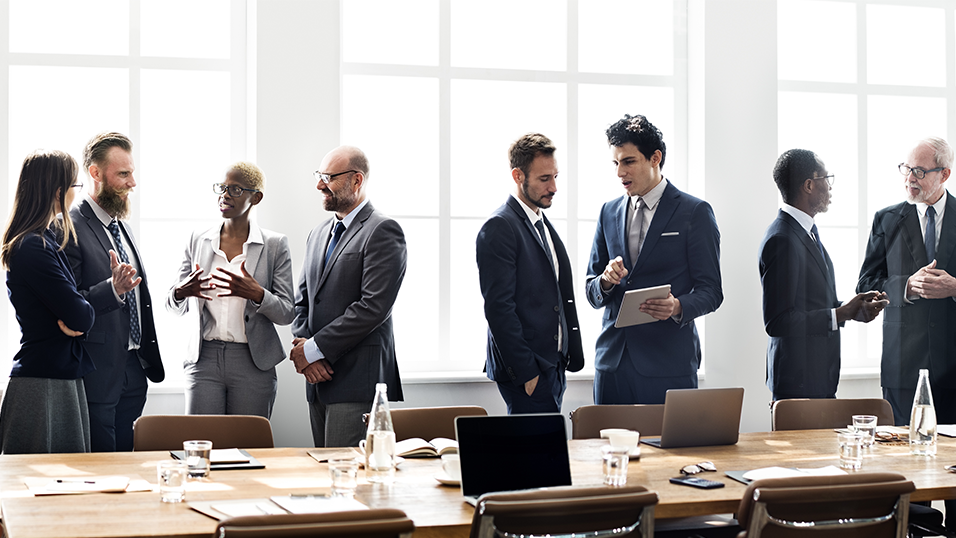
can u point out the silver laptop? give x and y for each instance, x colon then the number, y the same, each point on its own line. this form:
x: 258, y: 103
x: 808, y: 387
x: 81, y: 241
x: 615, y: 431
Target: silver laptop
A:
x: 512, y: 452
x: 700, y: 417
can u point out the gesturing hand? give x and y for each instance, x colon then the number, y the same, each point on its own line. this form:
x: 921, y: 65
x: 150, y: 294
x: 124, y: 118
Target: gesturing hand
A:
x: 613, y: 273
x: 124, y: 276
x: 238, y: 285
x: 193, y: 286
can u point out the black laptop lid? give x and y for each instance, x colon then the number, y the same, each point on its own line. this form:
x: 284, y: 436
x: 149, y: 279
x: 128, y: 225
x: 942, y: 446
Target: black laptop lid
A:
x: 512, y: 452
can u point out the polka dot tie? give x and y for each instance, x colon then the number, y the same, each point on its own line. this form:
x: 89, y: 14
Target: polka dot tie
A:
x: 134, y: 331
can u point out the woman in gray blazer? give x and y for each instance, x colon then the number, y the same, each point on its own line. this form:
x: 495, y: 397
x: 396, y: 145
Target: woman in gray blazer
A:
x: 239, y: 278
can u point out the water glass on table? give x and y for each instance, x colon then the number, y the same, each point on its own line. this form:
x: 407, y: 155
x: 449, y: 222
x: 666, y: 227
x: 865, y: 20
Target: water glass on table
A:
x: 615, y: 464
x: 851, y: 450
x: 865, y: 424
x: 198, y: 454
x: 344, y: 472
x: 171, y: 475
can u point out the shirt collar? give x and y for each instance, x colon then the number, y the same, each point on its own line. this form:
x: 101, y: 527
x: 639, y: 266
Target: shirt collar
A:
x: 100, y: 213
x: 653, y: 196
x: 532, y: 216
x: 939, y: 206
x: 805, y: 221
x: 347, y: 221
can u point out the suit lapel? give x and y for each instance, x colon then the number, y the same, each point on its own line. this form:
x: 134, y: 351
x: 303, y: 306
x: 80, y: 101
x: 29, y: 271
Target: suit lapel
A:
x: 947, y: 237
x: 665, y: 210
x: 515, y: 206
x: 825, y: 265
x: 357, y: 224
x: 912, y: 236
x: 253, y: 253
x: 620, y: 232
x: 96, y: 226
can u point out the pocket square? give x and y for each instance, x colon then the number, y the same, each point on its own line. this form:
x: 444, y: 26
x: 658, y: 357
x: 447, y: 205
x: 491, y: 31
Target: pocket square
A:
x: 668, y: 234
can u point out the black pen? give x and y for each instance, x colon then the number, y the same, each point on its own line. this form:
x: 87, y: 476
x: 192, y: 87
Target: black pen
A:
x: 61, y: 481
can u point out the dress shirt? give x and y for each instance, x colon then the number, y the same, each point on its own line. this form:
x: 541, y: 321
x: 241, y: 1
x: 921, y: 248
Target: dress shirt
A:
x: 651, y: 200
x: 105, y: 220
x: 534, y: 217
x: 311, y: 349
x: 921, y: 207
x: 806, y: 222
x: 227, y: 314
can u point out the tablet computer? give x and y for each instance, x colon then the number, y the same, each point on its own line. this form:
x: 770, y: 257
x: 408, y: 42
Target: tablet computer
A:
x: 630, y: 312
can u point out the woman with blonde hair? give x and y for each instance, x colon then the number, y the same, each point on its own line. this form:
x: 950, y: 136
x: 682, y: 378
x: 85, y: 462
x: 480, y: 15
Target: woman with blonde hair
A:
x: 44, y: 409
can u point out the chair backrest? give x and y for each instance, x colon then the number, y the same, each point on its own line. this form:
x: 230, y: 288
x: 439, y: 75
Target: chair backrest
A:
x: 430, y: 422
x: 557, y: 512
x: 381, y: 523
x: 587, y: 421
x: 815, y: 414
x: 167, y: 432
x: 871, y: 505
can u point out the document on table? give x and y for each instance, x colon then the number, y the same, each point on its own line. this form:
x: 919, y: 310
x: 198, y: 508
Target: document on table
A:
x: 236, y: 507
x: 747, y: 477
x: 317, y: 504
x: 72, y: 485
x: 948, y: 430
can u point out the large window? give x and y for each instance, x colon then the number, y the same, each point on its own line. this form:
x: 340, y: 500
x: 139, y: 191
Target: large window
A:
x: 857, y: 88
x: 169, y: 73
x: 439, y: 94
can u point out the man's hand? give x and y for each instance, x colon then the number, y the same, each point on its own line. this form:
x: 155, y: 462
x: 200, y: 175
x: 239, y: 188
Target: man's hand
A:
x: 318, y: 371
x: 238, y: 285
x: 530, y: 385
x: 193, y: 286
x: 124, y: 276
x: 662, y: 308
x: 932, y: 283
x: 613, y: 273
x: 66, y: 330
x: 873, y: 304
x: 297, y: 355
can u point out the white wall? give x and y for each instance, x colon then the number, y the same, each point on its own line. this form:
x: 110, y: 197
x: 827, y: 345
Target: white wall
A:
x: 736, y: 86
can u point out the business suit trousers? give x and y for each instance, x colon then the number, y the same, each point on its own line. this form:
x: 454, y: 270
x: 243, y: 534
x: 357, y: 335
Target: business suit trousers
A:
x: 627, y: 386
x: 111, y: 423
x: 547, y: 397
x: 338, y: 424
x: 225, y: 381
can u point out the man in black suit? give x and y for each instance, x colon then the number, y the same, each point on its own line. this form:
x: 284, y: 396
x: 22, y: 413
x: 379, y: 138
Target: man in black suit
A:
x: 526, y: 281
x: 801, y: 312
x: 109, y: 274
x: 910, y: 254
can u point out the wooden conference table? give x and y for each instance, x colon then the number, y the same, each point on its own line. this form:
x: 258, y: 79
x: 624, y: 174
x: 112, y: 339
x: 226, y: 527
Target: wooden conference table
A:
x: 436, y: 510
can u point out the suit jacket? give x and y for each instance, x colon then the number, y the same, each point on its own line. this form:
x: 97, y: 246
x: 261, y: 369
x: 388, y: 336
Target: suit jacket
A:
x: 270, y: 263
x: 108, y: 341
x: 346, y: 306
x: 919, y: 334
x: 681, y: 248
x: 799, y: 292
x: 42, y: 290
x: 522, y: 298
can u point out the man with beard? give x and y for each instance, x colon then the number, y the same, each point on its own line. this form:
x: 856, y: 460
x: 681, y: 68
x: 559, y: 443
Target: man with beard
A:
x: 653, y: 235
x: 110, y: 275
x: 801, y: 312
x: 910, y: 255
x: 526, y: 281
x: 353, y: 269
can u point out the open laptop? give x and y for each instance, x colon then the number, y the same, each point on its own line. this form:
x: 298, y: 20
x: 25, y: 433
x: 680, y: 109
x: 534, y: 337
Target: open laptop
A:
x: 512, y: 452
x: 700, y: 417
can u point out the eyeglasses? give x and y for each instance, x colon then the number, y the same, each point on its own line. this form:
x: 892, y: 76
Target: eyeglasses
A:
x: 327, y: 178
x: 76, y: 186
x: 700, y: 467
x: 234, y: 190
x: 918, y: 172
x: 829, y: 179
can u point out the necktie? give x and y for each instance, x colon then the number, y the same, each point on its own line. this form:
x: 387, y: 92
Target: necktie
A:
x: 562, y: 322
x: 134, y: 330
x: 929, y: 238
x: 635, y: 231
x: 339, y: 228
x: 816, y: 239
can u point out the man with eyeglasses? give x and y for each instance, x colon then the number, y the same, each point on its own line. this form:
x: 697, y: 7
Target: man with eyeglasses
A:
x: 801, y: 312
x: 110, y: 275
x: 910, y: 255
x: 354, y: 266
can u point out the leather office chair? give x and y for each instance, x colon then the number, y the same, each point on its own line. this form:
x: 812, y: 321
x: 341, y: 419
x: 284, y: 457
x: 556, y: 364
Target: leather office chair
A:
x: 558, y: 512
x: 815, y: 414
x: 587, y: 421
x: 167, y: 432
x: 871, y: 505
x: 430, y: 422
x: 381, y: 523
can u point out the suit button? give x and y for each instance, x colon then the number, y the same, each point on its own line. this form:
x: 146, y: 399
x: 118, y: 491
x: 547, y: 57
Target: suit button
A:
x: 557, y: 308
x: 247, y: 319
x: 555, y: 338
x: 316, y: 299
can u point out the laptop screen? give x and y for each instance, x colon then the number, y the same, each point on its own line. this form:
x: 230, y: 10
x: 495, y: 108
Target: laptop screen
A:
x: 512, y: 452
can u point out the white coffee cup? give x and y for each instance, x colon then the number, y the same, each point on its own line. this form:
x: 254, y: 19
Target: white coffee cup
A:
x: 626, y: 439
x: 451, y: 464
x: 606, y: 433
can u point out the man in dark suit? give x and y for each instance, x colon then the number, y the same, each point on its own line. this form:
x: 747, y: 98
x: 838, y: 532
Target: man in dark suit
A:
x: 801, y: 312
x: 106, y: 263
x: 526, y: 281
x: 653, y: 235
x: 354, y: 266
x: 910, y: 253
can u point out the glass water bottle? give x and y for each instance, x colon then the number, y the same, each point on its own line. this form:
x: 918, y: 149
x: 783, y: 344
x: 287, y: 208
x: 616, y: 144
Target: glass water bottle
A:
x: 923, y: 419
x: 380, y: 440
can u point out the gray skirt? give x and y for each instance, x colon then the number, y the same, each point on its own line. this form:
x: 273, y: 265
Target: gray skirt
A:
x: 42, y: 415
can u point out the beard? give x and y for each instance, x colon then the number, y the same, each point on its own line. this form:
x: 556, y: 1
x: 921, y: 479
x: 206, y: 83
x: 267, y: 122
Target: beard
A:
x: 113, y: 201
x: 543, y: 202
x: 339, y: 201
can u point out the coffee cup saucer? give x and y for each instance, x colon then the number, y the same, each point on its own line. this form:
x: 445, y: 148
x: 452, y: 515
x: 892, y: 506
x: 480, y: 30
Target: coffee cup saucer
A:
x: 446, y: 480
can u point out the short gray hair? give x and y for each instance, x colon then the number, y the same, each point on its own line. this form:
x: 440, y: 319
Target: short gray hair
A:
x: 942, y: 152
